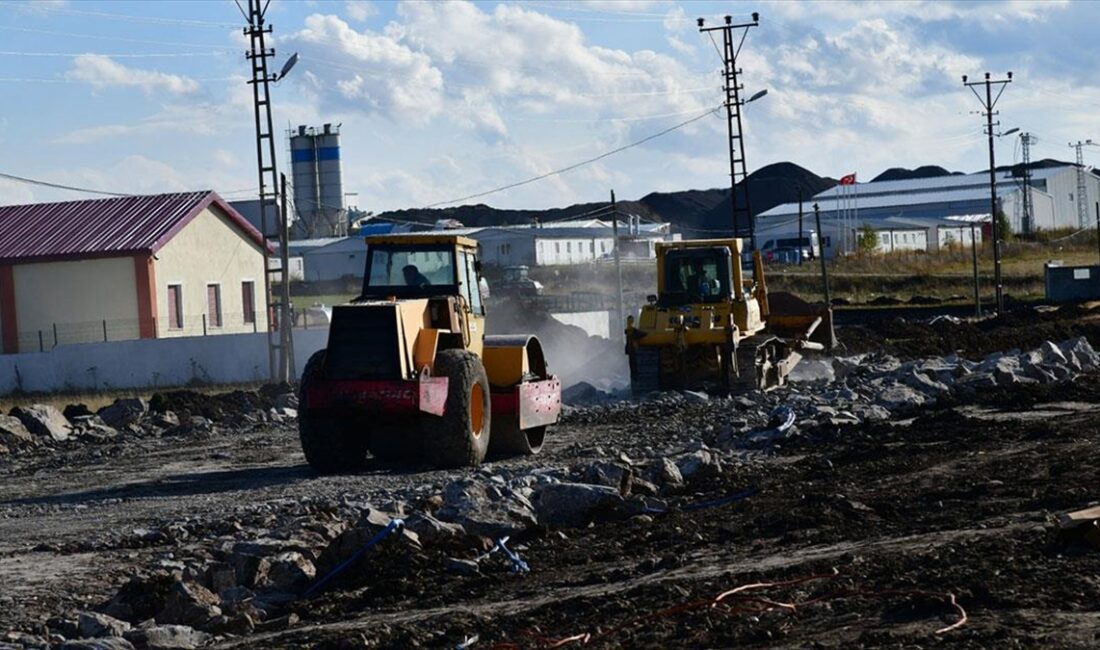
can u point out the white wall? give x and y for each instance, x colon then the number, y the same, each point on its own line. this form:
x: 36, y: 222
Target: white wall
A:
x: 76, y: 296
x: 150, y: 363
x: 210, y: 250
x: 596, y: 323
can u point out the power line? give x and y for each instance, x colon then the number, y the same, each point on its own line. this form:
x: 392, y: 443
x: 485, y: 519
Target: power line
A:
x: 579, y: 164
x: 58, y: 186
x: 129, y: 17
x: 119, y: 39
x: 119, y: 55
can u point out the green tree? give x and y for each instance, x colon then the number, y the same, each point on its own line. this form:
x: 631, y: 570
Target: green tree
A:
x: 1004, y: 226
x: 868, y: 239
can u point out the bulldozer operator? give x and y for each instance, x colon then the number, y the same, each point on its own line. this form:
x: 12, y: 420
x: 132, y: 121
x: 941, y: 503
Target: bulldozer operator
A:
x: 699, y: 285
x: 414, y: 278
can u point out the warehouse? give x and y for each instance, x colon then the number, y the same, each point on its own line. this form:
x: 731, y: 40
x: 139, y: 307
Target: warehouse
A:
x: 184, y: 264
x: 938, y: 203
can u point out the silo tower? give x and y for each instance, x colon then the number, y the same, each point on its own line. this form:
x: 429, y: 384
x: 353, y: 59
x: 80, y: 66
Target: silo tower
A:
x: 318, y: 183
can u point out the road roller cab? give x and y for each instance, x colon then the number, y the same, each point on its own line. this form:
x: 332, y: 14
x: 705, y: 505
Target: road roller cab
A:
x: 409, y: 374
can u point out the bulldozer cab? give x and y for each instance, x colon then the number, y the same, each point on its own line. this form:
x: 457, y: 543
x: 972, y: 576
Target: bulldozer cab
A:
x: 696, y: 275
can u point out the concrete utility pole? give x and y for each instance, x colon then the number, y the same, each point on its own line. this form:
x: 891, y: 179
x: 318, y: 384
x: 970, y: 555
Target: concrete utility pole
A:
x: 800, y: 225
x: 988, y: 104
x: 977, y: 284
x: 618, y: 262
x: 821, y: 254
x: 279, y: 352
x: 740, y: 212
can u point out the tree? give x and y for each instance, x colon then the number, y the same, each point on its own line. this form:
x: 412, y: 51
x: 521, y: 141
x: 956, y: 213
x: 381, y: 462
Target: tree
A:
x: 868, y: 239
x: 1003, y: 226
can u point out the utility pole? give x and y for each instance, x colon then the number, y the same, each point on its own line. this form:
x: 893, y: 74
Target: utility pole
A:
x: 618, y: 261
x: 1082, y: 188
x: 1026, y: 140
x: 988, y: 104
x: 821, y: 255
x: 977, y: 285
x: 278, y: 350
x: 800, y: 225
x: 740, y: 212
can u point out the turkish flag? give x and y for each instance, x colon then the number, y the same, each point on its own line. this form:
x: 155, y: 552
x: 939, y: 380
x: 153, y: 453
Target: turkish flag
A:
x: 850, y: 179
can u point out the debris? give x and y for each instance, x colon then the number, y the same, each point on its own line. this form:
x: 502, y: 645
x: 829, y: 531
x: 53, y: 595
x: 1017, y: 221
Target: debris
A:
x: 123, y: 412
x: 462, y: 567
x: 92, y: 625
x: 44, y: 421
x: 574, y: 504
x: 167, y: 637
x: 189, y: 604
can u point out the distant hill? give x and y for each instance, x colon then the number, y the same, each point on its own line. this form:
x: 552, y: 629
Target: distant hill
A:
x: 695, y: 213
x: 903, y: 174
x: 768, y: 187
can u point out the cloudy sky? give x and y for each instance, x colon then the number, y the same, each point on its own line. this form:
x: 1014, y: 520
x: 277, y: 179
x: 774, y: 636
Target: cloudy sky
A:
x: 441, y: 100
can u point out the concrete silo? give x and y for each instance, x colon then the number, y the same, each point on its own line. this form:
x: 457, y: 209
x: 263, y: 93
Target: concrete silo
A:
x: 318, y: 183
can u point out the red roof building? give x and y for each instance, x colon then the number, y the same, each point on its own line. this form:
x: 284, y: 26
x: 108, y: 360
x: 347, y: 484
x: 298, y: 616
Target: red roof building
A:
x: 178, y: 264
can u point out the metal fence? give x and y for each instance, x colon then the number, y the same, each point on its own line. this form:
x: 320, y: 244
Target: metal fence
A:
x: 124, y: 329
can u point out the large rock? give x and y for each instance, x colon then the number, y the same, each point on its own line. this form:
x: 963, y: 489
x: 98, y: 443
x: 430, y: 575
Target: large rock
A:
x: 108, y: 643
x: 13, y: 433
x: 899, y: 396
x: 43, y: 420
x: 1080, y: 354
x: 123, y: 412
x: 167, y: 637
x: 430, y: 529
x: 288, y: 572
x: 700, y: 463
x: 575, y: 504
x: 93, y: 625
x: 190, y: 604
x: 486, y: 510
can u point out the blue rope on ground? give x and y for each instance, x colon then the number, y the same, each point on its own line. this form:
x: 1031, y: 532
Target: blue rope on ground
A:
x: 394, y: 525
x: 518, y: 565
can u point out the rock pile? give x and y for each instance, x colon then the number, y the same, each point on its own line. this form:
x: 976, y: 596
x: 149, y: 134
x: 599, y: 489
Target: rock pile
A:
x: 41, y: 425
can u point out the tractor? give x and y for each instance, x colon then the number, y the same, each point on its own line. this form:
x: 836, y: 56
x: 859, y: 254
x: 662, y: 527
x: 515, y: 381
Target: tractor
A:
x: 710, y: 328
x: 409, y: 373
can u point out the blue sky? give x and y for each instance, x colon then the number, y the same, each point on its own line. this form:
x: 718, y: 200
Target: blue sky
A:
x: 439, y: 100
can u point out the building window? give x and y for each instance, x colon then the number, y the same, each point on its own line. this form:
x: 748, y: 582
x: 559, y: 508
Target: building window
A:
x: 175, y: 307
x: 592, y: 247
x: 557, y: 247
x: 568, y: 247
x: 248, y: 301
x: 603, y: 247
x: 214, y: 305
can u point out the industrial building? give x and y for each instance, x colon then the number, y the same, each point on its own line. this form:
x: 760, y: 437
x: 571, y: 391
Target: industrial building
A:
x: 568, y: 242
x: 184, y: 264
x: 331, y: 258
x: 944, y: 205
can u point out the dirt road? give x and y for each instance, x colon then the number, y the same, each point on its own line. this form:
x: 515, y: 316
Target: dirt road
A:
x: 932, y: 527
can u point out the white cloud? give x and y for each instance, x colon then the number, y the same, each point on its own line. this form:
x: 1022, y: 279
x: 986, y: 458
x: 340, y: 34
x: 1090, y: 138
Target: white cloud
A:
x: 359, y: 10
x: 374, y: 72
x: 103, y: 72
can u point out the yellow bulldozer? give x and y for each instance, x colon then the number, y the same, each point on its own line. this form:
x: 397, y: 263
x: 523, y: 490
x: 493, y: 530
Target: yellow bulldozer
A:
x: 409, y: 373
x: 710, y: 328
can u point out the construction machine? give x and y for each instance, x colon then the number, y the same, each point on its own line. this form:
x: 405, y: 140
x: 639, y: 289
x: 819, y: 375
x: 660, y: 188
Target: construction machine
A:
x: 409, y: 374
x: 710, y: 328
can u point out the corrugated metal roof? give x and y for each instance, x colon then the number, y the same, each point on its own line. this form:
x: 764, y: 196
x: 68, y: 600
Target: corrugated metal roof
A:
x: 104, y: 227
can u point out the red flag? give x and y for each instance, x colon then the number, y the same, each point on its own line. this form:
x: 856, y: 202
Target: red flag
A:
x: 850, y: 179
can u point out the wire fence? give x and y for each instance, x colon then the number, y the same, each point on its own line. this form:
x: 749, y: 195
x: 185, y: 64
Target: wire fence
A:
x: 48, y: 337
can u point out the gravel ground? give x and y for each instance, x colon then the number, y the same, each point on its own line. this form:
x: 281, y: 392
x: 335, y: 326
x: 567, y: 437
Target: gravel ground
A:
x: 856, y: 534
